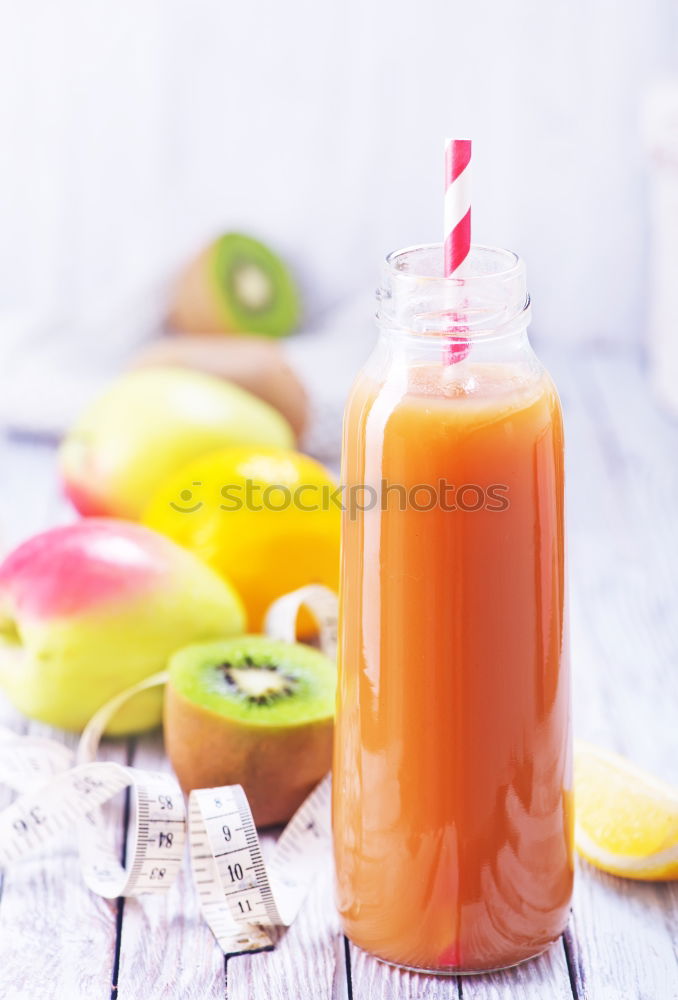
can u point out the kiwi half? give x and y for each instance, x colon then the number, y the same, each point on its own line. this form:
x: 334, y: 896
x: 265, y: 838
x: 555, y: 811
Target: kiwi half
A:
x: 251, y: 711
x: 236, y: 285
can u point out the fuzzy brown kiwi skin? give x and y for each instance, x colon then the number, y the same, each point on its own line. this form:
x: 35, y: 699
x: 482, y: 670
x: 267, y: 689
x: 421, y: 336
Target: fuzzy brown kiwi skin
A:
x: 277, y: 766
x: 195, y: 306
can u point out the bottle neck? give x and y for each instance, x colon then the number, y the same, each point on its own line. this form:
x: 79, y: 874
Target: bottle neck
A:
x: 480, y: 313
x: 502, y: 346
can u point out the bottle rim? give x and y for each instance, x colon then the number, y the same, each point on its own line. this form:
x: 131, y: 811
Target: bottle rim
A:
x: 487, y: 295
x: 512, y: 264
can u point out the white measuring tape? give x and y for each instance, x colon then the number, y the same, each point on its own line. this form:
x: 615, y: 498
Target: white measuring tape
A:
x: 241, y: 899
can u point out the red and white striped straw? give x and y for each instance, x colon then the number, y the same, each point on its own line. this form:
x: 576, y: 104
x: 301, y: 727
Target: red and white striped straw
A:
x: 457, y: 232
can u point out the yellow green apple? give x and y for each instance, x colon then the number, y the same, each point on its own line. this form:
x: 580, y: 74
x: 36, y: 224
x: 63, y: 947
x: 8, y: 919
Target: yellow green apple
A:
x: 88, y: 609
x: 151, y: 422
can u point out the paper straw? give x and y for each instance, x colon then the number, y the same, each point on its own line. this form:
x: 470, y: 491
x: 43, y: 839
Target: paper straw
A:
x: 457, y: 231
x: 457, y: 203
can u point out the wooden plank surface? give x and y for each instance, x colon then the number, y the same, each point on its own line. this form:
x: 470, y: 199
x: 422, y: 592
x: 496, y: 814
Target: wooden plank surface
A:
x: 623, y: 548
x: 57, y: 939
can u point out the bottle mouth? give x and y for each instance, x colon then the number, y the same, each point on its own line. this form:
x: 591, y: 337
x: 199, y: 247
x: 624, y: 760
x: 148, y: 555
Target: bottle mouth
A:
x: 424, y: 262
x: 486, y: 296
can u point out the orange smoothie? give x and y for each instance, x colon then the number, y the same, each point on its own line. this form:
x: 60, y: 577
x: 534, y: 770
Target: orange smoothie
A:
x: 452, y: 779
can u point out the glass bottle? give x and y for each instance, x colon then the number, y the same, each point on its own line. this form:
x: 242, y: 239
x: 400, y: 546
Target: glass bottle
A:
x: 452, y: 804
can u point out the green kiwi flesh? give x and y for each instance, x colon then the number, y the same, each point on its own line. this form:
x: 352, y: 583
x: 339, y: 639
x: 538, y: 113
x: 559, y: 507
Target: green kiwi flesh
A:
x: 256, y: 680
x: 257, y: 293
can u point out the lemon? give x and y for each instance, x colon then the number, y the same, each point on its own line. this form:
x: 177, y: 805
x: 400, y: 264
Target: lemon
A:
x: 626, y: 819
x: 266, y: 518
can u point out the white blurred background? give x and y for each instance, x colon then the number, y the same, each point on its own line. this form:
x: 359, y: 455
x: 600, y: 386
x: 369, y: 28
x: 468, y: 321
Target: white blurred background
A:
x: 133, y: 131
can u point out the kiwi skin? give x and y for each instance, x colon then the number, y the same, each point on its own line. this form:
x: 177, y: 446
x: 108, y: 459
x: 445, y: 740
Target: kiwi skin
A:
x: 277, y: 769
x: 277, y: 765
x: 194, y: 308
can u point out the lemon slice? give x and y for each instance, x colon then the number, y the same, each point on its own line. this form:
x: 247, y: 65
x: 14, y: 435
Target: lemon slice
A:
x: 626, y: 819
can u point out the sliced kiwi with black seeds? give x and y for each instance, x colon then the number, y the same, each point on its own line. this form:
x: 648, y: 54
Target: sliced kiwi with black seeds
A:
x: 251, y: 711
x: 256, y: 290
x: 256, y: 680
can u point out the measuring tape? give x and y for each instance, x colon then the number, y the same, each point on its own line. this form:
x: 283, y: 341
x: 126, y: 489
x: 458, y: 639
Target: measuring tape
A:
x: 241, y: 898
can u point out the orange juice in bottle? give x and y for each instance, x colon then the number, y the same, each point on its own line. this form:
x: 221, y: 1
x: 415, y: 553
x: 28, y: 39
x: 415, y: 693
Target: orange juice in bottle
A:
x: 452, y: 804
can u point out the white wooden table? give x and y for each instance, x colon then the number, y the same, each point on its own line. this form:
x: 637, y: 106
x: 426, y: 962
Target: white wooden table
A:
x: 59, y: 941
